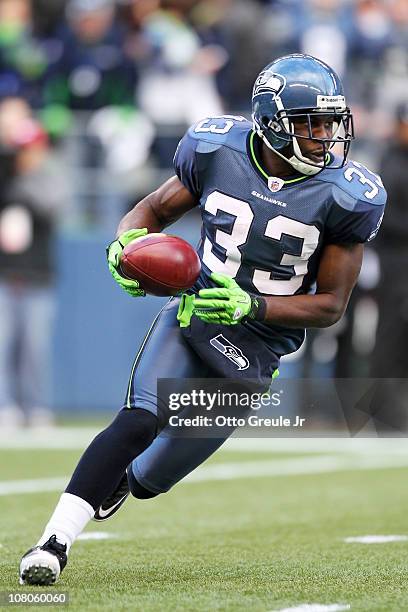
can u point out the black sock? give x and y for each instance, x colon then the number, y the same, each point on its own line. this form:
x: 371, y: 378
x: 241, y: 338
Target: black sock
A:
x: 103, y: 463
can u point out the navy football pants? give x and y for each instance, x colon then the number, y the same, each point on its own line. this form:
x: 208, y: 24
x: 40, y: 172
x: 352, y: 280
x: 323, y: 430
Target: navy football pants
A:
x: 165, y: 354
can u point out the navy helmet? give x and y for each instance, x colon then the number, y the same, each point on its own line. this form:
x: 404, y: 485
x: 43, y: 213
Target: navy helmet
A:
x: 300, y: 87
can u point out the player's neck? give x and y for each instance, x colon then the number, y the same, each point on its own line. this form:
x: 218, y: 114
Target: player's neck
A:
x: 275, y: 165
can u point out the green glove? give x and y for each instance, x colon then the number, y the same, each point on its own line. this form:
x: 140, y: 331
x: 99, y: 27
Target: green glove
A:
x: 228, y: 304
x: 114, y: 252
x: 186, y: 310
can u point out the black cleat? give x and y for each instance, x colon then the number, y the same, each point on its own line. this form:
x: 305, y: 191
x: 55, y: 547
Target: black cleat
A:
x: 111, y: 504
x: 42, y: 565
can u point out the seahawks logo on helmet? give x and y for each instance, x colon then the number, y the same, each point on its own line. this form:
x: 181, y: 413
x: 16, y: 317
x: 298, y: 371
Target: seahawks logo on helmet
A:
x: 269, y: 82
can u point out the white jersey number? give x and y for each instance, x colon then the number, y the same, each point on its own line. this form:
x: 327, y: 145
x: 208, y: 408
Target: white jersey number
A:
x: 356, y: 170
x: 217, y: 125
x: 275, y: 229
x: 230, y: 242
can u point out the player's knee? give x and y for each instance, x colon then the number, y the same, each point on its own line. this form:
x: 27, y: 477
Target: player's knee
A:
x: 137, y: 490
x: 131, y: 428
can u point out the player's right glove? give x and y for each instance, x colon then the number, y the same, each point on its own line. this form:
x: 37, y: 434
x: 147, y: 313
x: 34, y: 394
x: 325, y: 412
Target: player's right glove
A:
x: 114, y: 253
x: 227, y: 304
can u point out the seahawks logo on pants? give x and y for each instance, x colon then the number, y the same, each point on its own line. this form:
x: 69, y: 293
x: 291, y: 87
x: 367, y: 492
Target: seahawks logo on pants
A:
x: 230, y: 351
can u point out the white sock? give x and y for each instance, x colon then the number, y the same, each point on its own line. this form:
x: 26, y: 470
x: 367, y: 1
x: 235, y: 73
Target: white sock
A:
x: 69, y: 519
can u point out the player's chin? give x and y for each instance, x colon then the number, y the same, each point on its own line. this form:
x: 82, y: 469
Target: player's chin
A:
x: 316, y: 158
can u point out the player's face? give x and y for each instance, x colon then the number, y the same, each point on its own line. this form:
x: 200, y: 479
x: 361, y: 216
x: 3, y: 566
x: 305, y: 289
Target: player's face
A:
x: 322, y: 127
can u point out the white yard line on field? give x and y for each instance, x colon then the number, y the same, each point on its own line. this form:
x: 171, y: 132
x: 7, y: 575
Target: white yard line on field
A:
x: 96, y: 535
x: 321, y: 444
x: 74, y: 438
x: 286, y: 467
x: 58, y: 438
x: 376, y: 539
x: 36, y: 485
x: 243, y: 469
x: 317, y: 608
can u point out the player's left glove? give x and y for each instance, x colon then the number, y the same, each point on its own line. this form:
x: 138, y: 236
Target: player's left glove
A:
x: 114, y: 253
x: 229, y: 304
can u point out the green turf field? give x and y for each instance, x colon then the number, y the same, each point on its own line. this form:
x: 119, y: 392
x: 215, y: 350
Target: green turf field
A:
x: 261, y: 541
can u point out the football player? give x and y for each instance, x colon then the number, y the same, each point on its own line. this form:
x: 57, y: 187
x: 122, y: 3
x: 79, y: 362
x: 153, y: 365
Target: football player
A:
x: 284, y: 220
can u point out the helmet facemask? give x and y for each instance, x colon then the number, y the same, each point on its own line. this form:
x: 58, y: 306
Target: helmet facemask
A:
x: 290, y: 99
x: 280, y: 135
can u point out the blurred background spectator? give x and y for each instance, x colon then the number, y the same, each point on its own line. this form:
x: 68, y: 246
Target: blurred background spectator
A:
x: 177, y: 84
x: 111, y: 86
x: 32, y: 193
x: 92, y: 69
x: 23, y: 59
x: 390, y: 357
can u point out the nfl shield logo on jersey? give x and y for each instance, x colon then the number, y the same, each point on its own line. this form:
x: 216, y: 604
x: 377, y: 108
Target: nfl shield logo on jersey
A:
x: 275, y: 184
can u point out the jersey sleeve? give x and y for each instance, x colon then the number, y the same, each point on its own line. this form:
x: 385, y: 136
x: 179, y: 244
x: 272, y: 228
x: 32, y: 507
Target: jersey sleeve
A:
x: 186, y: 165
x: 354, y: 220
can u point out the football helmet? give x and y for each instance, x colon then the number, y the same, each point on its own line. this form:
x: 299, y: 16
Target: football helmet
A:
x: 301, y: 88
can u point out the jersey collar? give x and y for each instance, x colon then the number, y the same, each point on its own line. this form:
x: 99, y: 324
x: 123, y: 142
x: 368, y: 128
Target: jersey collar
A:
x: 253, y: 149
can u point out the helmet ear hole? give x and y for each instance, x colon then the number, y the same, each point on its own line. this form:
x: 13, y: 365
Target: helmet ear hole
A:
x: 265, y: 121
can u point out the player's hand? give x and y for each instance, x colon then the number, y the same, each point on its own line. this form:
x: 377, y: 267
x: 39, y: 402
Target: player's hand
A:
x: 114, y: 253
x: 228, y: 304
x: 186, y: 310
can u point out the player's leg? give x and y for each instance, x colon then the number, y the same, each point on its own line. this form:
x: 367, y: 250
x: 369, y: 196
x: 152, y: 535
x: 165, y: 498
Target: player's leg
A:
x: 167, y: 461
x: 104, y: 462
x: 171, y: 457
x: 100, y: 469
x: 166, y: 355
x: 174, y: 454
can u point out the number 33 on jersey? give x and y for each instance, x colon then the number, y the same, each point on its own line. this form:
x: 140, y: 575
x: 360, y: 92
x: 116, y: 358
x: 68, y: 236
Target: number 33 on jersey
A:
x: 267, y: 233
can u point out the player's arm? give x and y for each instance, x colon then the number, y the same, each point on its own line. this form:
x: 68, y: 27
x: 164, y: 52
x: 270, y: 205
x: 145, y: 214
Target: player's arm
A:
x: 173, y: 199
x: 152, y: 214
x: 228, y: 304
x: 160, y: 208
x: 156, y: 211
x: 338, y: 272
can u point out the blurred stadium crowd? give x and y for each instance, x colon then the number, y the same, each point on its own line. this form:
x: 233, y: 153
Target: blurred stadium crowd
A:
x: 94, y: 96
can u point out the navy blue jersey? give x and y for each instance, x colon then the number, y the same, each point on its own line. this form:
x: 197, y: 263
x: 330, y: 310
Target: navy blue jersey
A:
x: 267, y: 233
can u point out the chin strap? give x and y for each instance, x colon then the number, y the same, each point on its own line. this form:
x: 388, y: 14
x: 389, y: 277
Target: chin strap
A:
x: 299, y: 162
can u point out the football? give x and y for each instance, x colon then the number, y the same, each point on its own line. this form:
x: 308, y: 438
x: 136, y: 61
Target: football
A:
x: 163, y: 264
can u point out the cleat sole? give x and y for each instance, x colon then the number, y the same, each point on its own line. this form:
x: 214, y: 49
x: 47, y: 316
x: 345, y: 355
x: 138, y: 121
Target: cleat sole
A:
x: 38, y: 575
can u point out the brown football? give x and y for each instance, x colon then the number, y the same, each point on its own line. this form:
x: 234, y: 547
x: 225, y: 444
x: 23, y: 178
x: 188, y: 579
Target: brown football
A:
x: 163, y: 264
